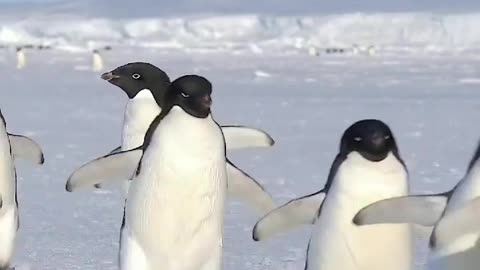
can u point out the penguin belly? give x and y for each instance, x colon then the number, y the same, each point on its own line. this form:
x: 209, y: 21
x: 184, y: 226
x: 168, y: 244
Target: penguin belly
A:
x: 9, y: 211
x: 8, y: 232
x: 139, y: 114
x: 132, y: 256
x: 337, y: 243
x: 175, y: 204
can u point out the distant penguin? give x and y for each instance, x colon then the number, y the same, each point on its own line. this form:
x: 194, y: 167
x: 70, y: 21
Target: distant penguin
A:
x: 371, y: 51
x: 12, y: 147
x: 451, y: 249
x: 313, y: 51
x: 97, y: 61
x: 175, y: 208
x: 355, y: 49
x: 367, y: 168
x: 145, y: 86
x: 21, y: 58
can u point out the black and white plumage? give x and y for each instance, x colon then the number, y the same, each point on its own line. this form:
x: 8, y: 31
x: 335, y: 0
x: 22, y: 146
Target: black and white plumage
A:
x: 12, y: 147
x: 368, y: 167
x: 146, y: 85
x: 454, y: 243
x: 175, y: 205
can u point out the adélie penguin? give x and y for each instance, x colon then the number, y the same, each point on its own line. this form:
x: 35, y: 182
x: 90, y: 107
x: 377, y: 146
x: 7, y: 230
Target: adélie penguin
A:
x: 12, y: 147
x: 454, y: 244
x: 146, y: 85
x: 21, y: 58
x: 175, y: 207
x: 368, y: 167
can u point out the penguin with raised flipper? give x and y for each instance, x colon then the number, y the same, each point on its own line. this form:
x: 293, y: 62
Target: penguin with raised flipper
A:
x: 367, y: 168
x: 12, y: 147
x: 146, y: 85
x: 454, y: 243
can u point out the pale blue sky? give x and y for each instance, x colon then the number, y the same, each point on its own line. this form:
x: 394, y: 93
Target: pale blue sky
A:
x: 161, y: 7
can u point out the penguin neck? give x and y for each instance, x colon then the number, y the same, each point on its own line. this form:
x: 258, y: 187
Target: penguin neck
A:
x: 139, y: 114
x: 183, y: 125
x: 184, y: 139
x: 358, y: 176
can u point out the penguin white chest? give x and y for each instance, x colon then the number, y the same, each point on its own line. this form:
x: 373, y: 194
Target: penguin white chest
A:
x: 337, y: 243
x: 97, y: 62
x: 139, y: 114
x: 175, y: 205
x: 7, y: 170
x: 21, y: 60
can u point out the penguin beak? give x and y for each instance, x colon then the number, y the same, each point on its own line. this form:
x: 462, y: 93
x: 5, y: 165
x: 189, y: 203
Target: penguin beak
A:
x: 206, y: 101
x: 378, y: 141
x: 109, y: 76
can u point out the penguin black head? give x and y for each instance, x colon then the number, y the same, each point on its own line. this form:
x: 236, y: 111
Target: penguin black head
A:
x: 192, y: 93
x: 135, y: 77
x: 372, y: 138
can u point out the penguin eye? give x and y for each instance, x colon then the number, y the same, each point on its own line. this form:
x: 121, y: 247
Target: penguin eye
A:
x: 136, y: 76
x: 184, y: 95
x: 357, y: 139
x: 386, y: 137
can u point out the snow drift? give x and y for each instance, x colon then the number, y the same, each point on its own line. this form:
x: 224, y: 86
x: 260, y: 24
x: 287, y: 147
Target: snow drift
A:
x: 387, y: 31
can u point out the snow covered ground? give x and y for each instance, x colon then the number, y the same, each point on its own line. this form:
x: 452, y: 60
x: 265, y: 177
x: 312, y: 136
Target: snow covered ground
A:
x: 430, y: 101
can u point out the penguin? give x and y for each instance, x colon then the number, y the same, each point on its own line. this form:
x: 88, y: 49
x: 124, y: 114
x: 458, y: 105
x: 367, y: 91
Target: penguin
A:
x: 175, y: 207
x: 21, y: 58
x: 371, y: 51
x: 313, y: 51
x: 457, y: 223
x: 97, y: 61
x: 146, y: 85
x: 12, y: 147
x: 355, y: 49
x: 368, y: 167
x: 451, y: 246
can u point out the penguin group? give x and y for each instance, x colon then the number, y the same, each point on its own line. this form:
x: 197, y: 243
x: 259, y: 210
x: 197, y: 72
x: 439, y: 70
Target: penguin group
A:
x: 353, y: 50
x: 97, y: 62
x: 172, y: 164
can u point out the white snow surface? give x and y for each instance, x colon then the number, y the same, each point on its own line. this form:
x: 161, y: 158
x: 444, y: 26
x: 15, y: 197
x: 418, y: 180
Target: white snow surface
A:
x: 256, y: 33
x: 430, y: 102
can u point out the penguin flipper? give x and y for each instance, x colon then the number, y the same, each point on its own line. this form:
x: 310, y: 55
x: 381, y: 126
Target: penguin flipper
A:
x: 460, y: 222
x: 295, y: 213
x: 118, y: 166
x: 423, y: 210
x: 239, y: 137
x: 116, y: 150
x: 26, y: 148
x: 242, y: 186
